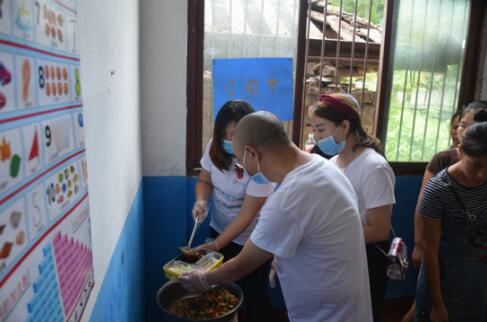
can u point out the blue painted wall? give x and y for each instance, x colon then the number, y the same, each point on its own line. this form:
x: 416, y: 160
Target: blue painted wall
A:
x: 407, y: 190
x: 121, y: 295
x: 166, y: 218
x: 167, y: 210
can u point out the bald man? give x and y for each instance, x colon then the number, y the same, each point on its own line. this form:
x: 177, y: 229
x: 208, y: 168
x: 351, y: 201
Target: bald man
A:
x: 310, y: 225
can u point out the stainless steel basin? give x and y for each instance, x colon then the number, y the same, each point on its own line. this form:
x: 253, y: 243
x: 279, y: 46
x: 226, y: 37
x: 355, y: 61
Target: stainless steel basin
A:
x: 173, y: 291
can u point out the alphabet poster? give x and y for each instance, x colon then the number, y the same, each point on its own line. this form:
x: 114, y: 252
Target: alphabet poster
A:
x: 266, y: 83
x: 46, y: 271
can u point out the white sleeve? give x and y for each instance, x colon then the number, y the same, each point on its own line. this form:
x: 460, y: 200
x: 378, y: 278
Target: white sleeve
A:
x: 205, y: 161
x: 260, y: 190
x: 278, y: 232
x: 378, y: 187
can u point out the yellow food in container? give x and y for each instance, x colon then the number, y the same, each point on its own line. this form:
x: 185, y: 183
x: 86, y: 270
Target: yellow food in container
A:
x: 178, y: 266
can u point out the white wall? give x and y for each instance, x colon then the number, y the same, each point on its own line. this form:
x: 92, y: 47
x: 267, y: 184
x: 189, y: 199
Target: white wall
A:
x: 163, y: 40
x: 108, y: 42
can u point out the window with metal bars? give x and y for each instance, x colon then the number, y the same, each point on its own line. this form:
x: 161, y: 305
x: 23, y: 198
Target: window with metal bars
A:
x: 401, y: 59
x: 428, y: 50
x: 245, y: 29
x: 344, y: 40
x: 343, y: 45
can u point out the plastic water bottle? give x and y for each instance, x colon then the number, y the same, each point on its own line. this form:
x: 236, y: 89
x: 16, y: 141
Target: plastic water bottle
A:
x: 310, y: 143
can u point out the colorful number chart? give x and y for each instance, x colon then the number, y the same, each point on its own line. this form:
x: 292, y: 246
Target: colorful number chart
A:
x: 46, y: 263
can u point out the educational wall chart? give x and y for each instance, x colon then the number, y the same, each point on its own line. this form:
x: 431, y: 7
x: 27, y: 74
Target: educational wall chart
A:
x: 46, y: 271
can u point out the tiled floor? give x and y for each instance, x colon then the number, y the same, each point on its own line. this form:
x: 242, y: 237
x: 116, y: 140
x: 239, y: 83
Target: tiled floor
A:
x: 393, y: 311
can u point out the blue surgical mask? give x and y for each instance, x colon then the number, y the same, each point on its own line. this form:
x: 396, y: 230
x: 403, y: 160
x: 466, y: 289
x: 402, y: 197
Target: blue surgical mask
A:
x: 259, y: 177
x: 330, y: 146
x: 228, y: 147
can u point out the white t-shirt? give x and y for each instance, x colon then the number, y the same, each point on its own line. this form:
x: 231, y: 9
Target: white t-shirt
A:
x: 229, y: 190
x: 311, y: 225
x: 373, y: 180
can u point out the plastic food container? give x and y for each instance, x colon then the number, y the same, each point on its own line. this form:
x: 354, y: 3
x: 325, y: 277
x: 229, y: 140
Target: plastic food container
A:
x: 179, y: 266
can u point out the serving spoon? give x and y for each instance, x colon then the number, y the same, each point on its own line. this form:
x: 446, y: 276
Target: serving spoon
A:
x: 189, y: 253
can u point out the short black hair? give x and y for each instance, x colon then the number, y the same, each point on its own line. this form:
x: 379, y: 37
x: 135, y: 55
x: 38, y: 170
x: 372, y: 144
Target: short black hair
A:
x: 475, y: 107
x: 456, y: 115
x: 475, y: 140
x: 480, y: 116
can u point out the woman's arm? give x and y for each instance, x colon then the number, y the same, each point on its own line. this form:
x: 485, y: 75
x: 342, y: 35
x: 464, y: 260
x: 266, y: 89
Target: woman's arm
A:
x: 418, y: 249
x: 378, y: 224
x: 431, y: 231
x: 203, y: 190
x: 250, y: 208
x: 204, y: 187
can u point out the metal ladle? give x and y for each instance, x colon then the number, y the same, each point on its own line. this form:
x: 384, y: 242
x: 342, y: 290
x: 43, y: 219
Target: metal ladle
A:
x: 189, y: 253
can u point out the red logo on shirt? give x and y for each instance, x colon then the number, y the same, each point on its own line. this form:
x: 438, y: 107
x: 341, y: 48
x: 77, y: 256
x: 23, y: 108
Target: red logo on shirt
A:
x: 240, y: 173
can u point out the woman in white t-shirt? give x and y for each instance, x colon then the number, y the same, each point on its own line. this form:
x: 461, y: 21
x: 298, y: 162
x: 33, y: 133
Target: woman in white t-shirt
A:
x: 338, y: 130
x: 237, y: 200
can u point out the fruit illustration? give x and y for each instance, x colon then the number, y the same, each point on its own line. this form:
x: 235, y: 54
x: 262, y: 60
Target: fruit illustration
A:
x: 15, y: 166
x: 5, y: 151
x: 5, y: 75
x: 25, y: 79
x: 77, y: 87
x: 3, y: 100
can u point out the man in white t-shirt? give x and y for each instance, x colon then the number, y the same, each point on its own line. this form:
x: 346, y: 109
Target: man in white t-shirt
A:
x: 310, y: 225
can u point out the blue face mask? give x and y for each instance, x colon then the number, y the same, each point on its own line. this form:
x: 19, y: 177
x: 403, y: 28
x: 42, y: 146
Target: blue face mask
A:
x: 228, y: 147
x: 259, y: 177
x: 329, y: 146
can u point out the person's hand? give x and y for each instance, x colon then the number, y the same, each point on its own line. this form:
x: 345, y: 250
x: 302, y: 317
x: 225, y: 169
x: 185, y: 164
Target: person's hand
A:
x: 195, y: 282
x: 439, y: 313
x: 212, y: 245
x: 417, y: 255
x: 200, y: 210
x: 272, y: 274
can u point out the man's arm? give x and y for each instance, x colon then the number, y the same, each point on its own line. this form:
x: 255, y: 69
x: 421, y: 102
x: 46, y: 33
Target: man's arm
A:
x: 249, y: 258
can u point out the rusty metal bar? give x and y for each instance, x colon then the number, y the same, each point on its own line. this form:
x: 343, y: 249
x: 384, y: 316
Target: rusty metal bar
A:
x: 366, y: 55
x: 353, y: 47
x: 323, y: 42
x: 305, y: 85
x: 338, y: 45
x: 300, y: 72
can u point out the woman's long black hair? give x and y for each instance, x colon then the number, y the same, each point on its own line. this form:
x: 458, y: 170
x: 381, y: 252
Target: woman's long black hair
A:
x: 231, y: 111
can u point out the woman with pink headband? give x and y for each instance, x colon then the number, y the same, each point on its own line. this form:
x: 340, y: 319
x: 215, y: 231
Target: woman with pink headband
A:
x: 338, y: 130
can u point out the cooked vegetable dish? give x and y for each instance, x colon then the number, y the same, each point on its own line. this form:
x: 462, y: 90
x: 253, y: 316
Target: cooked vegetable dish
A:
x: 212, y: 304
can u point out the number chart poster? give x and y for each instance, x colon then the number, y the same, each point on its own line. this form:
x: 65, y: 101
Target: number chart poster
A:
x: 266, y: 83
x: 46, y: 263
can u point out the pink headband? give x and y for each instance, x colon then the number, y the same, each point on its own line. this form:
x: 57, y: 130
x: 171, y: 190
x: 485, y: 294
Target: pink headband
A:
x: 340, y: 107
